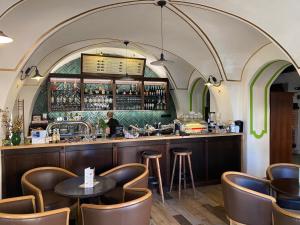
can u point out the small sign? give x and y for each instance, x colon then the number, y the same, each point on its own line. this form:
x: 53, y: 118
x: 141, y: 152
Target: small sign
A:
x: 112, y: 65
x: 89, y: 177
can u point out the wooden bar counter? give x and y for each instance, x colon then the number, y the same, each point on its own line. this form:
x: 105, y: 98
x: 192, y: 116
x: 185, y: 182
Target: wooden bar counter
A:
x: 212, y: 155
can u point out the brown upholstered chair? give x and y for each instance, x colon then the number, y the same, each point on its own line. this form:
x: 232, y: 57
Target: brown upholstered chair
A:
x: 247, y: 199
x: 135, y: 210
x: 133, y: 175
x: 21, y: 211
x: 40, y: 182
x: 284, y: 217
x: 284, y: 170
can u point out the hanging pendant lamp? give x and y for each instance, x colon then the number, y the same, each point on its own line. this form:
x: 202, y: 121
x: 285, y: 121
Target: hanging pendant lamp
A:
x: 4, y: 39
x: 162, y: 61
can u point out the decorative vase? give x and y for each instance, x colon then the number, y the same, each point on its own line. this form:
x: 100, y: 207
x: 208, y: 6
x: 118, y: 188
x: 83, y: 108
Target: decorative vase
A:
x: 16, y: 138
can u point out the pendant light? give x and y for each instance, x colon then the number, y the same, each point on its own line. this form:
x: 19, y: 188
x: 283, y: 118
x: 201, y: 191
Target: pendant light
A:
x: 126, y: 73
x: 4, y: 39
x: 162, y: 60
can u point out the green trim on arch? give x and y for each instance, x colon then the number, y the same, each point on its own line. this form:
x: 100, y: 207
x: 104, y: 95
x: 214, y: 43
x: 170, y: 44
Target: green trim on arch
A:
x: 204, y: 94
x: 266, y: 95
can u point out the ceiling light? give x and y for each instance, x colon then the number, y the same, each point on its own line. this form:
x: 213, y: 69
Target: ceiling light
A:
x: 37, y: 76
x: 212, y: 81
x: 162, y: 61
x: 4, y: 39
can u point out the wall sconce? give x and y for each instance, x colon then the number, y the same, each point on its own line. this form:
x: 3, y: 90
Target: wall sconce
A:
x: 37, y: 76
x: 212, y: 81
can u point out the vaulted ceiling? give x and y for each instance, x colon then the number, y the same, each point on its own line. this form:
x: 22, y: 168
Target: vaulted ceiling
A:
x: 210, y: 37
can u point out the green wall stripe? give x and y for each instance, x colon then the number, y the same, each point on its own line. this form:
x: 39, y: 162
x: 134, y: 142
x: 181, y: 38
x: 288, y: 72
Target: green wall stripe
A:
x: 266, y: 91
x: 204, y: 94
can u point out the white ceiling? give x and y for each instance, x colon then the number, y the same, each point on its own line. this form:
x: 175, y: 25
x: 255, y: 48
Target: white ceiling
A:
x: 213, y: 37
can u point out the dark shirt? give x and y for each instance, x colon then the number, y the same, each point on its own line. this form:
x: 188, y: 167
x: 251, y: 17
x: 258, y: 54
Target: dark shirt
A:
x: 112, y: 124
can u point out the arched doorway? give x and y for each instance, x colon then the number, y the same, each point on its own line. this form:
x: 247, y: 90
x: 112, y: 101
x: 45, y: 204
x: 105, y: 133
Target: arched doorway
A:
x: 284, y: 110
x: 258, y: 139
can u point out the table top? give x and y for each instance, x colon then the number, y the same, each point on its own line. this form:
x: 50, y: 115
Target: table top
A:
x: 71, y: 187
x: 287, y: 186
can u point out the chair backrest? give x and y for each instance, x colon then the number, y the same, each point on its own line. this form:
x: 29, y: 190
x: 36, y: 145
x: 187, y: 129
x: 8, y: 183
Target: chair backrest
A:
x: 284, y: 217
x: 136, y: 210
x: 246, y: 199
x: 132, y: 175
x: 21, y: 211
x: 283, y: 170
x: 18, y: 205
x: 45, y: 178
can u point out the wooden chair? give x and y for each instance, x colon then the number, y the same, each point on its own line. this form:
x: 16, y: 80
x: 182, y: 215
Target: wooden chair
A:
x: 132, y: 175
x: 284, y: 170
x: 247, y: 199
x: 41, y: 181
x: 21, y: 211
x: 135, y: 210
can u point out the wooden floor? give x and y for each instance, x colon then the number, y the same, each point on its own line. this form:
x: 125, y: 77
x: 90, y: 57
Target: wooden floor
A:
x: 205, y: 208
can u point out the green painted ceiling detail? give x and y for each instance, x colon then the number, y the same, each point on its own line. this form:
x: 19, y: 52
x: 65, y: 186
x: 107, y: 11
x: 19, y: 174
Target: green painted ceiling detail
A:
x: 266, y: 96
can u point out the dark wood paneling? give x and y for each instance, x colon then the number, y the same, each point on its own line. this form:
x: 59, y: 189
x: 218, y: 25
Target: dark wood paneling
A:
x: 211, y: 156
x: 80, y: 157
x: 131, y: 152
x: 281, y: 140
x: 223, y: 154
x: 16, y: 163
x: 198, y: 156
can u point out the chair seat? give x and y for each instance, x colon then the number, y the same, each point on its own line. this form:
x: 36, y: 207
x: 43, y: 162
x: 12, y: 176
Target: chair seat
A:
x: 151, y: 154
x: 181, y: 151
x: 54, y: 201
x: 114, y: 196
x: 288, y: 203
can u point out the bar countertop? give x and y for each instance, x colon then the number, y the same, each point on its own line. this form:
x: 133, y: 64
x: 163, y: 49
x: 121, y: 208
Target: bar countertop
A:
x: 117, y: 140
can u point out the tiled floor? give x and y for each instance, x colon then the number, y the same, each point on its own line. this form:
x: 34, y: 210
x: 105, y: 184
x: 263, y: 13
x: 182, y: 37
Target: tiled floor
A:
x: 205, y: 208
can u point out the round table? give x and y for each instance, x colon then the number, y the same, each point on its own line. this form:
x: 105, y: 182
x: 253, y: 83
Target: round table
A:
x: 287, y: 186
x: 71, y: 187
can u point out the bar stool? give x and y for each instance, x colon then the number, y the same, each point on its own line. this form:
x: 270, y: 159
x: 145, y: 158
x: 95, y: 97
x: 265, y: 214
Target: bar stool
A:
x: 182, y: 153
x: 155, y: 155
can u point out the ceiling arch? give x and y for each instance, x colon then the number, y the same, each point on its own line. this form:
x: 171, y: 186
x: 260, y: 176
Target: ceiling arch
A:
x: 194, y: 33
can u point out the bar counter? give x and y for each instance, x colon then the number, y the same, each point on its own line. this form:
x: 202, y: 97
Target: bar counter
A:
x: 212, y: 154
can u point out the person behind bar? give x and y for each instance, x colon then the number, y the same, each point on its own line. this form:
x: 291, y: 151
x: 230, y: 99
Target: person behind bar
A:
x: 112, y: 124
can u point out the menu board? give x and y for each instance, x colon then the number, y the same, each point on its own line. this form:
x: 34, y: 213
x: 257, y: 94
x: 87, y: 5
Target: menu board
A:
x: 111, y: 65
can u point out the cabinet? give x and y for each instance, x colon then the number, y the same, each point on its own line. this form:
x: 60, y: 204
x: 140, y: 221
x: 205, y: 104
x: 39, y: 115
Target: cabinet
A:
x: 94, y: 94
x: 64, y: 94
x: 97, y: 94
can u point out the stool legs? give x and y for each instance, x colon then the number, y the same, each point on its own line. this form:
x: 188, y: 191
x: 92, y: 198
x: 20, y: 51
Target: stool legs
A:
x: 179, y: 177
x: 159, y: 181
x: 182, y: 163
x: 191, y: 173
x: 173, y: 172
x: 184, y: 174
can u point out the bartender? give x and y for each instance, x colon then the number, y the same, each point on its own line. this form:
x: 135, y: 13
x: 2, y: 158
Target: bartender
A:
x: 112, y: 124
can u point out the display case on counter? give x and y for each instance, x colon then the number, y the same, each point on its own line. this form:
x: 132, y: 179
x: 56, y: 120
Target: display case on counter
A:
x: 64, y: 94
x: 86, y: 93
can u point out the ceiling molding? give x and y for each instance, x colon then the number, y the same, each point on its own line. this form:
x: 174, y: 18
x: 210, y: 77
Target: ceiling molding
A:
x: 205, y: 39
x: 11, y: 8
x: 251, y: 56
x: 72, y: 19
x: 197, y: 5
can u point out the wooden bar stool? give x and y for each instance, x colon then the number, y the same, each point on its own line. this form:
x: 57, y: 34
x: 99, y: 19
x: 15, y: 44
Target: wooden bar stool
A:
x: 182, y: 153
x: 155, y: 155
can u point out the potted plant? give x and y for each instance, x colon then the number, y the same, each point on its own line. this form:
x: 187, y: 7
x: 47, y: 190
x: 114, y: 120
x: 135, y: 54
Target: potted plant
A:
x: 103, y: 126
x: 16, y: 130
